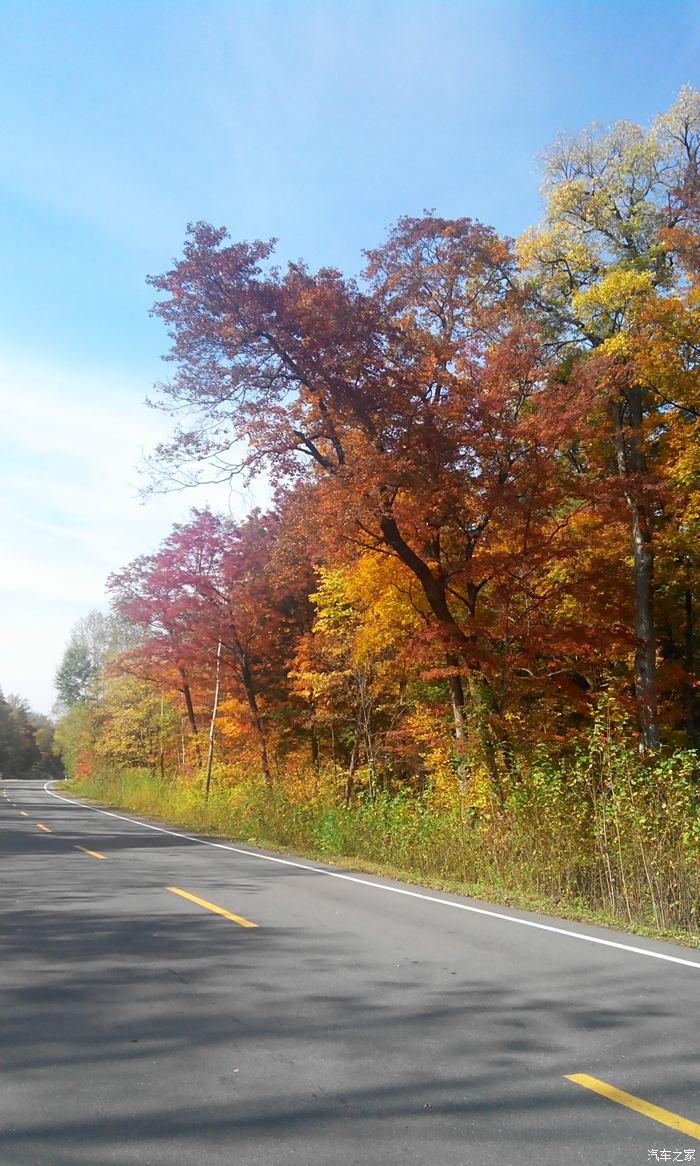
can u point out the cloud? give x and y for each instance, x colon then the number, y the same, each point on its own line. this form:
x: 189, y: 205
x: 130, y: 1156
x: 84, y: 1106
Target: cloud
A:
x: 71, y: 443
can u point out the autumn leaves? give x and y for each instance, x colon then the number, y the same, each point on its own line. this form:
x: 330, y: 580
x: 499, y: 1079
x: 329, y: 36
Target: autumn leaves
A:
x: 499, y: 442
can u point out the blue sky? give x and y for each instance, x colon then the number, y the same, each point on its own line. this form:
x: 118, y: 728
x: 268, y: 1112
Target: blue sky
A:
x: 319, y: 123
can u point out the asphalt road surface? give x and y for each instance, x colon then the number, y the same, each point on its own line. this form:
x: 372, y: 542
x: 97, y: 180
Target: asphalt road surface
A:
x: 324, y: 1019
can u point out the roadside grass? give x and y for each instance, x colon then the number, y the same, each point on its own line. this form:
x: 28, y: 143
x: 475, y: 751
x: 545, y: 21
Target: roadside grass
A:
x: 619, y: 865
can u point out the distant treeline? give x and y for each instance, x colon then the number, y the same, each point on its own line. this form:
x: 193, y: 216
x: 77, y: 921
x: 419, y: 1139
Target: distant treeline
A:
x: 25, y: 741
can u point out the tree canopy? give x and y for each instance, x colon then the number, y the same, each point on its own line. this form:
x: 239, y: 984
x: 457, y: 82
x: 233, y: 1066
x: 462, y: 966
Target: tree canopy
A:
x: 485, y: 460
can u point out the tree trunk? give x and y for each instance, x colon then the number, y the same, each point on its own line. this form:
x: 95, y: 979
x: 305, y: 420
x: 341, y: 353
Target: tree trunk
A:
x: 454, y: 683
x: 210, y: 750
x: 484, y: 734
x: 627, y: 413
x: 482, y: 730
x: 459, y: 645
x: 256, y: 719
x: 162, y: 741
x: 190, y: 715
x: 645, y: 652
x: 689, y: 698
x: 350, y: 779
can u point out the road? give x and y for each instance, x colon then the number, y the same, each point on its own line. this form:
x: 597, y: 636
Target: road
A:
x: 324, y: 1019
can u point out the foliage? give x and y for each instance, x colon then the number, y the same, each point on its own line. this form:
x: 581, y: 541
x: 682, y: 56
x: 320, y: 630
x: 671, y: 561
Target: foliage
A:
x: 467, y: 624
x: 605, y: 273
x: 26, y: 740
x: 93, y: 641
x: 74, y: 740
x: 592, y: 835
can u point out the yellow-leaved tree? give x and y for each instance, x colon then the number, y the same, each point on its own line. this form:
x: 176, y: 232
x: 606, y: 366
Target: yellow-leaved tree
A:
x: 596, y: 267
x: 354, y: 665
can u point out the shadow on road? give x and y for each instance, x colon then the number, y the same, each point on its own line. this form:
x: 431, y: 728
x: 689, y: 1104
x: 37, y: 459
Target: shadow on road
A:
x: 138, y: 1031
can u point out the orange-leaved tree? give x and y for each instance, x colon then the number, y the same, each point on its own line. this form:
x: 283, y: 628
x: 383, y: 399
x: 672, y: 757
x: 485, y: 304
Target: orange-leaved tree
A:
x: 417, y: 408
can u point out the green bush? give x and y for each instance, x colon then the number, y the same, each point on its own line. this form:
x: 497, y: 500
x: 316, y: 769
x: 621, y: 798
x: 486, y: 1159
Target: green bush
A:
x: 603, y: 832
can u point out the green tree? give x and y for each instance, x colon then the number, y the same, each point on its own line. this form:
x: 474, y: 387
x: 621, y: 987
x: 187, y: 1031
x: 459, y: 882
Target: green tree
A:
x: 93, y: 641
x: 10, y: 743
x: 25, y: 740
x: 76, y: 674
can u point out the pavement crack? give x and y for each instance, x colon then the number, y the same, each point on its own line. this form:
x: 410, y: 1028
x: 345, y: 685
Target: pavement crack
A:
x: 178, y: 976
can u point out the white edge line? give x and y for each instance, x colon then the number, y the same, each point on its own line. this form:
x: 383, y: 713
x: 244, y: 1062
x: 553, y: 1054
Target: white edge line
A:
x: 333, y: 874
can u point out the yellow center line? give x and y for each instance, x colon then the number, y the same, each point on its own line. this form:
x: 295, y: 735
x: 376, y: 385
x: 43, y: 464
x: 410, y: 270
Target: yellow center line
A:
x: 46, y: 829
x: 92, y: 853
x: 655, y: 1112
x: 212, y: 907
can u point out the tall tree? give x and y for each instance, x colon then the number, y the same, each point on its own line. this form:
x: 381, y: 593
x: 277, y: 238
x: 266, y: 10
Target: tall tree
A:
x: 93, y: 639
x: 413, y: 409
x: 614, y: 198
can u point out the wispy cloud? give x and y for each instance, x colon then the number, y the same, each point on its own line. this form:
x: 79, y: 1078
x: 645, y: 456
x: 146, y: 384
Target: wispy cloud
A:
x: 71, y: 441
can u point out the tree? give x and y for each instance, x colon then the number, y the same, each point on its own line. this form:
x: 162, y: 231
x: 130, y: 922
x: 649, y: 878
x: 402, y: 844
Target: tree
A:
x: 148, y: 594
x: 93, y: 640
x: 353, y: 664
x: 135, y: 724
x: 614, y: 199
x: 416, y: 411
x: 10, y: 740
x: 211, y: 582
x: 76, y: 674
x: 74, y: 738
x: 26, y: 740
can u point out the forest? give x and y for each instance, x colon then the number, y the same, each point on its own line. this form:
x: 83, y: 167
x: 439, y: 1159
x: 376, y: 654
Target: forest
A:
x: 26, y: 741
x: 462, y: 641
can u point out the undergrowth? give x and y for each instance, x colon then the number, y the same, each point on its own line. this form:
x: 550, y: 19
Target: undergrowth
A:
x: 602, y: 837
